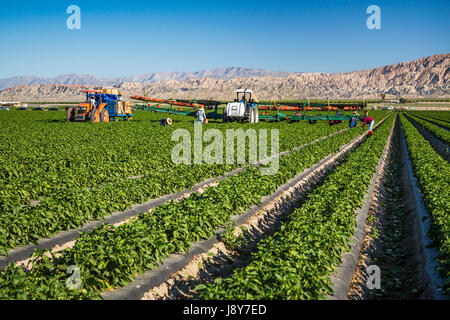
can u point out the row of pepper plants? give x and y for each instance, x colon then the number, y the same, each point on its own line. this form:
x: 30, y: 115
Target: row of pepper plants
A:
x: 297, y: 262
x: 432, y: 173
x: 111, y: 256
x: 438, y: 132
x: 441, y: 118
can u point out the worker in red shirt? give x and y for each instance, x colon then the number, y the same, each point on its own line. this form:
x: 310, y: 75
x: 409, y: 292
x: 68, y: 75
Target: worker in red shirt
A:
x: 367, y: 120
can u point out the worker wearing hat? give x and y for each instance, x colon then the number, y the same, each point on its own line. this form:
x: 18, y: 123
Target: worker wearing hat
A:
x: 353, y: 122
x: 201, y: 115
x: 92, y: 101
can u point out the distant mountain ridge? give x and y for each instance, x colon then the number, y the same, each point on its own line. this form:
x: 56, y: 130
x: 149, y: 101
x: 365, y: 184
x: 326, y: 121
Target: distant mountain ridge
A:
x: 85, y: 79
x: 421, y: 78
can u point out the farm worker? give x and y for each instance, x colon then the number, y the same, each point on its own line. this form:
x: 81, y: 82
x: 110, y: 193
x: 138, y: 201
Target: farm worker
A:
x: 201, y: 115
x: 253, y: 112
x: 369, y: 120
x: 333, y: 122
x: 337, y: 114
x: 353, y: 122
x: 92, y: 102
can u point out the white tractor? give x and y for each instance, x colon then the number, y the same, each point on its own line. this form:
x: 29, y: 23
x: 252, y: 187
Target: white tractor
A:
x: 242, y: 109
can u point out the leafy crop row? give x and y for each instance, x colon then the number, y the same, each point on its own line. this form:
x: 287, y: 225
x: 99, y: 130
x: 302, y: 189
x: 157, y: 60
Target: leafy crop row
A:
x: 298, y: 260
x: 443, y: 116
x: 112, y: 256
x: 432, y: 173
x: 441, y: 134
x: 442, y: 122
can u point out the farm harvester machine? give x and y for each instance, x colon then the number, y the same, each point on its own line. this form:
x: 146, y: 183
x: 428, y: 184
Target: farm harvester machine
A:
x: 246, y: 109
x: 101, y: 106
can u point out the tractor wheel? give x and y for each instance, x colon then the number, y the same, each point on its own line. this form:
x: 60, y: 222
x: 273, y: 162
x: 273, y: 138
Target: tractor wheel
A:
x: 104, y: 116
x: 70, y: 115
x: 95, y: 116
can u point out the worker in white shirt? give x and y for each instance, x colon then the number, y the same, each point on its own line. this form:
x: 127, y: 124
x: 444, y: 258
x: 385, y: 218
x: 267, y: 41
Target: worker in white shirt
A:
x: 201, y: 115
x: 92, y: 102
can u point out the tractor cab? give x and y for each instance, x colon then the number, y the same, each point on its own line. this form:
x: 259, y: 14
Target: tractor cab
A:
x: 242, y: 109
x: 246, y: 95
x: 101, y: 106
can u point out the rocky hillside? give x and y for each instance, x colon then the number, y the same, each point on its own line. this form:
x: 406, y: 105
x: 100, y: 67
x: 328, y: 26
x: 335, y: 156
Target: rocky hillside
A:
x: 426, y: 77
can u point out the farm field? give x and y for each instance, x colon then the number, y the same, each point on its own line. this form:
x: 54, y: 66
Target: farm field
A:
x: 57, y: 177
x: 54, y: 167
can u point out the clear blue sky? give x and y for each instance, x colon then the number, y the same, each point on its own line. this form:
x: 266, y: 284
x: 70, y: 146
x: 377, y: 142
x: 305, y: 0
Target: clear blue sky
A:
x: 119, y: 38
